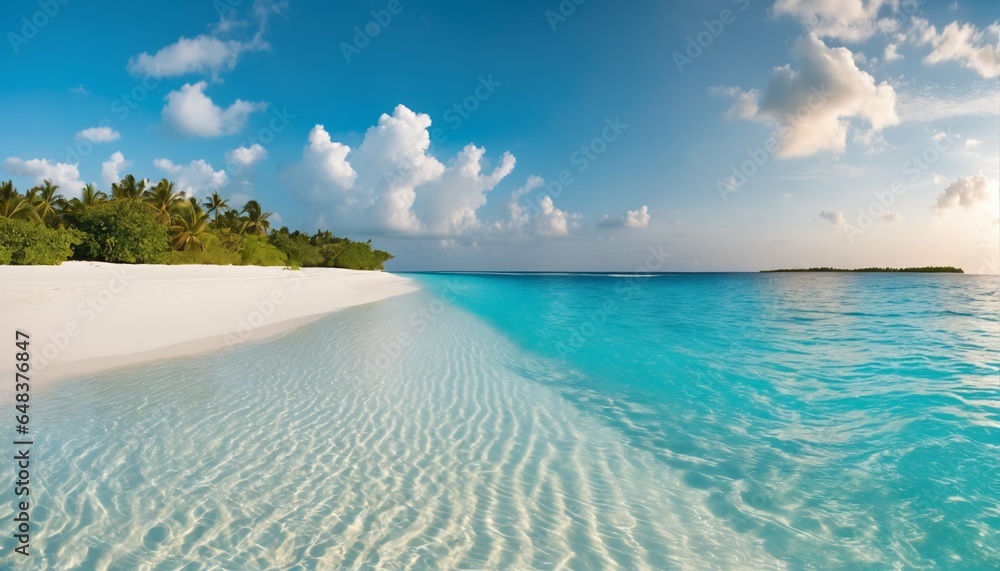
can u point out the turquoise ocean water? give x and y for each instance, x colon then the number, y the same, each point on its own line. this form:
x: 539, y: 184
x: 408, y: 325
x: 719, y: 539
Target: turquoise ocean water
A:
x: 698, y: 421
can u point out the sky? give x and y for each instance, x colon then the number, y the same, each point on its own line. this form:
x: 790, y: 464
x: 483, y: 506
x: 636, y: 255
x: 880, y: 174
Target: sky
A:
x: 559, y: 135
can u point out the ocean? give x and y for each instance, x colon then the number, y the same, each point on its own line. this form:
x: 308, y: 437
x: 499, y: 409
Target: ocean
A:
x: 550, y: 421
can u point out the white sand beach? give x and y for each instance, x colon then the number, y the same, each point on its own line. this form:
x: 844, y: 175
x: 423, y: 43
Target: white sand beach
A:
x: 84, y: 317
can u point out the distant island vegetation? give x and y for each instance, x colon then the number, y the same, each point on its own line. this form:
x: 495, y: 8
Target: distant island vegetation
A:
x: 923, y: 270
x: 142, y: 224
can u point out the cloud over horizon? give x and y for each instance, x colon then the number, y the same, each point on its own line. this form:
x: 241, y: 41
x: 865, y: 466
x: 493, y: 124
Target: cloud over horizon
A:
x: 965, y: 192
x: 393, y: 181
x: 111, y: 169
x: 196, y: 178
x: 192, y: 113
x: 66, y: 176
x: 835, y: 217
x: 813, y: 106
x: 631, y: 219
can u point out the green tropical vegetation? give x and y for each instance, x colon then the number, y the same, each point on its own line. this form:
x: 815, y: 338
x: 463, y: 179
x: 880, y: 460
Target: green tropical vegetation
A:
x: 139, y: 223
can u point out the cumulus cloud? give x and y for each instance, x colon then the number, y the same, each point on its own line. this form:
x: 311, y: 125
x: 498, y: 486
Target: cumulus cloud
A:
x: 552, y: 221
x: 812, y: 106
x: 972, y: 143
x: 202, y: 54
x: 246, y: 156
x: 66, y: 176
x: 393, y: 161
x: 631, y: 219
x: 98, y: 135
x: 206, y: 54
x: 190, y: 112
x: 835, y: 217
x: 539, y: 217
x: 891, y: 216
x: 851, y: 20
x: 890, y: 53
x: 965, y: 192
x: 393, y: 182
x: 965, y: 44
x: 448, y: 204
x: 195, y: 178
x: 111, y: 169
x: 324, y: 161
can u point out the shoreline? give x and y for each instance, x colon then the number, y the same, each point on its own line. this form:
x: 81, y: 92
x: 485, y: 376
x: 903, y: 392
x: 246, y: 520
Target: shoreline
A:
x: 88, y: 317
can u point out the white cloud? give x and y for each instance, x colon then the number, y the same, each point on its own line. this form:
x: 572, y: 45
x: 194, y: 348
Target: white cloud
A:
x: 207, y: 54
x: 98, y: 135
x: 111, y: 169
x: 393, y: 182
x: 813, y: 105
x: 66, y: 176
x: 191, y: 112
x: 631, y: 219
x: 197, y: 178
x: 931, y: 103
x: 972, y: 143
x: 891, y: 216
x: 851, y: 20
x: 246, y: 156
x: 392, y: 161
x: 79, y: 90
x: 540, y: 217
x: 835, y: 217
x: 328, y: 160
x: 890, y: 53
x: 964, y: 192
x: 448, y: 205
x: 551, y: 221
x: 203, y: 54
x: 966, y: 44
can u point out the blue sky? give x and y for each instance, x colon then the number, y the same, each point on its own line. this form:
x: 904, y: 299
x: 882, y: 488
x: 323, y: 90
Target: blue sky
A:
x: 442, y: 131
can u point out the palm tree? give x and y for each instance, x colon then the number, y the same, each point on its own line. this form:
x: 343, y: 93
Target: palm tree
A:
x: 190, y: 227
x: 14, y: 205
x: 164, y: 200
x: 231, y: 221
x: 257, y: 222
x: 128, y: 188
x: 90, y: 196
x: 47, y: 203
x: 215, y: 204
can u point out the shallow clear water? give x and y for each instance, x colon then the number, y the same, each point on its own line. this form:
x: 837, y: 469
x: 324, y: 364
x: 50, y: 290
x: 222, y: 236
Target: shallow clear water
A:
x: 682, y: 421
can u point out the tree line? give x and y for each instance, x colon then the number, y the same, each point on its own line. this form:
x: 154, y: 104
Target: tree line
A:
x: 139, y: 223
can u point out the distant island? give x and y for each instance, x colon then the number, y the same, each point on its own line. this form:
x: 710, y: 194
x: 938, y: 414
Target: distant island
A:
x: 924, y: 270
